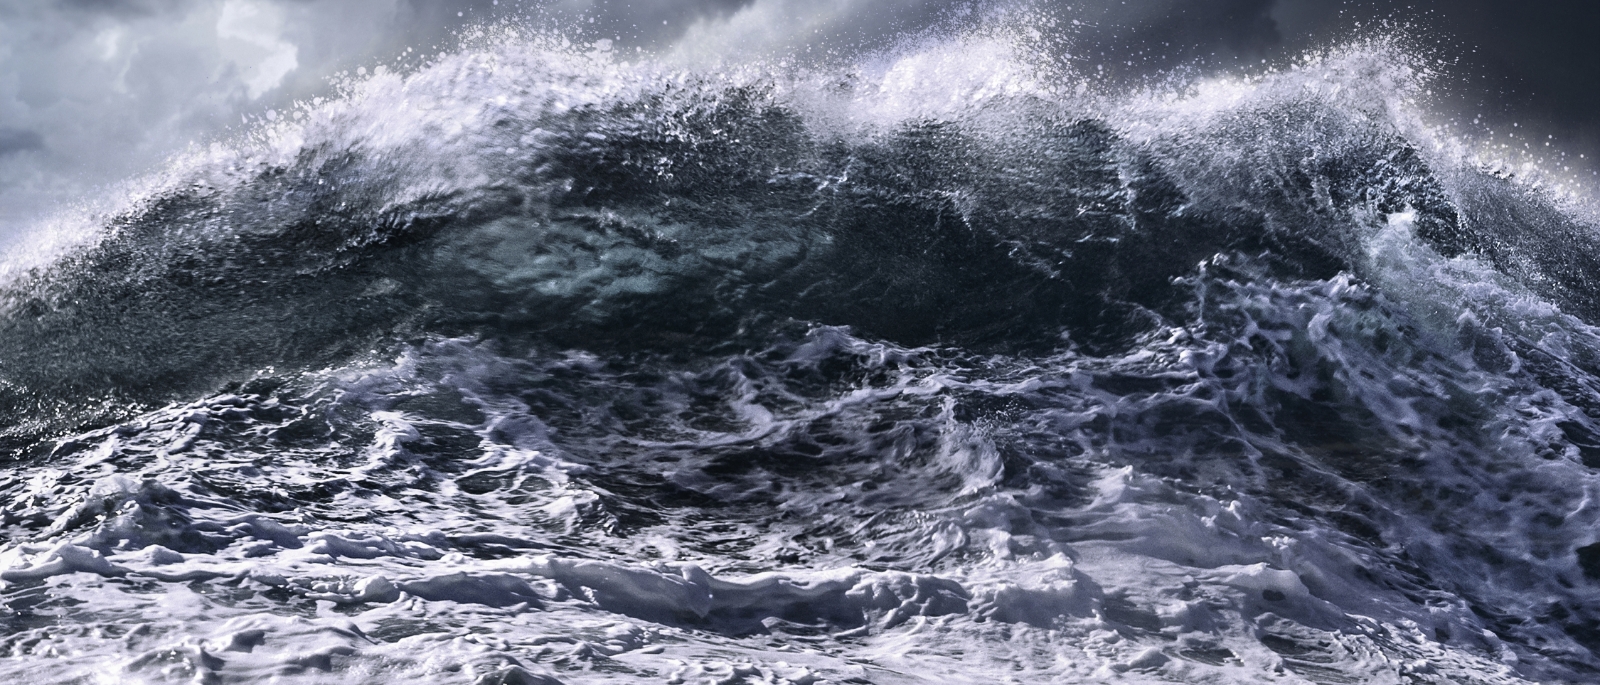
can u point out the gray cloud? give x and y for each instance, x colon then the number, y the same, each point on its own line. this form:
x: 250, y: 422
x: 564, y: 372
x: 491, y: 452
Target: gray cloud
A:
x: 120, y: 8
x: 639, y: 22
x: 117, y: 86
x: 17, y: 140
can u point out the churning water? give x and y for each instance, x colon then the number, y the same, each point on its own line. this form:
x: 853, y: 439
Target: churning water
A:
x: 543, y: 364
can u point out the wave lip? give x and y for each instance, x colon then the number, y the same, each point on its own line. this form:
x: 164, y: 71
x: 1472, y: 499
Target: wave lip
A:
x: 528, y: 191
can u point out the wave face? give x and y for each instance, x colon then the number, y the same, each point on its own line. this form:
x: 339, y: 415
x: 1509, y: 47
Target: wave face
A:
x: 538, y: 365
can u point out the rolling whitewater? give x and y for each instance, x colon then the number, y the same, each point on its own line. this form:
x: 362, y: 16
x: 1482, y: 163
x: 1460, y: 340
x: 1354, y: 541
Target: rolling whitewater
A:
x: 544, y: 362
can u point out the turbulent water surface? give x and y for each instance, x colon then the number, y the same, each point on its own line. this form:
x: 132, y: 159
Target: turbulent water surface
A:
x: 542, y: 364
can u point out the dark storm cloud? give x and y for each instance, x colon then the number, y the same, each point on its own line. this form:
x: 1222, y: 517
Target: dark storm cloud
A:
x: 17, y: 140
x: 121, y: 8
x: 1533, y: 64
x: 1239, y: 28
x: 642, y: 21
x: 1152, y: 37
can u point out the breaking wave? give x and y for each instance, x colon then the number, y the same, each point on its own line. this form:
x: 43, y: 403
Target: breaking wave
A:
x: 537, y: 364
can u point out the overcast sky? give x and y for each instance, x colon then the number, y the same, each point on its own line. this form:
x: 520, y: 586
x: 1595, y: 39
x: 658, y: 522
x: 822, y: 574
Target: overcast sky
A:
x: 93, y: 91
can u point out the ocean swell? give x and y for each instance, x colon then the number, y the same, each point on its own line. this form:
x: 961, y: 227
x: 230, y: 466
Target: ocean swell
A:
x: 540, y: 365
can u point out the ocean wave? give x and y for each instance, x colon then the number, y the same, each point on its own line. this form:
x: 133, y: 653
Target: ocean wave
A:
x: 542, y: 365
